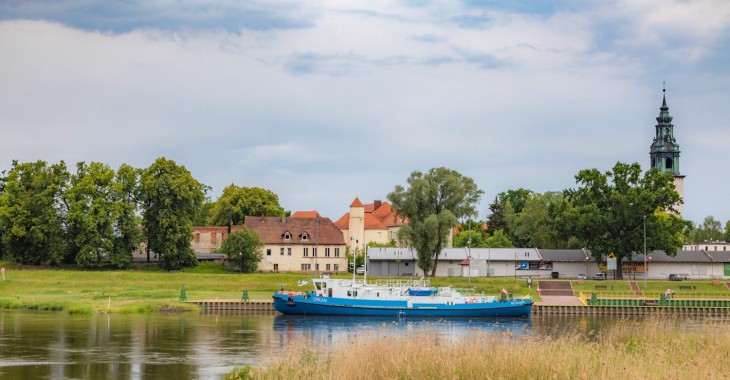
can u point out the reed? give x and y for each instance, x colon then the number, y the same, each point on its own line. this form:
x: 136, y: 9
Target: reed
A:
x: 654, y: 349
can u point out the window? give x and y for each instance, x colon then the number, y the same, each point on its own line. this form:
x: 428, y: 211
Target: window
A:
x: 337, y: 253
x: 306, y: 252
x: 314, y: 252
x: 276, y: 267
x: 288, y: 251
x: 287, y: 236
x: 304, y: 237
x: 336, y: 267
x: 326, y: 252
x: 327, y: 267
x: 197, y: 237
x: 316, y: 266
x: 306, y: 267
x: 268, y: 252
x: 213, y: 237
x: 281, y: 251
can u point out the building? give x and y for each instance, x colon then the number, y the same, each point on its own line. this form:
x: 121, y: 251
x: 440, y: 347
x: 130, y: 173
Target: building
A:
x: 708, y: 246
x: 373, y: 222
x: 302, y: 244
x: 548, y: 263
x: 664, y: 151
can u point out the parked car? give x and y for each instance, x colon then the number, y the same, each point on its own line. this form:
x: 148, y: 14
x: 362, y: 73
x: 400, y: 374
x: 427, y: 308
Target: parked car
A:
x: 675, y: 277
x: 599, y: 276
x: 582, y: 276
x: 360, y: 270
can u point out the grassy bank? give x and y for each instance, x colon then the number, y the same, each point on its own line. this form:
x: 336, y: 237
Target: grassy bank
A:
x: 655, y: 349
x: 148, y: 289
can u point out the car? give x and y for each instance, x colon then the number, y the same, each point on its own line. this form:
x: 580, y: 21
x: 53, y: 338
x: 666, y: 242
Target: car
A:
x: 360, y: 270
x: 582, y: 276
x: 675, y: 277
x: 599, y: 276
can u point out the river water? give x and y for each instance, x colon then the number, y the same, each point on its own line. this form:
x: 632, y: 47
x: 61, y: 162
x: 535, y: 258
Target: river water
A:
x: 49, y: 345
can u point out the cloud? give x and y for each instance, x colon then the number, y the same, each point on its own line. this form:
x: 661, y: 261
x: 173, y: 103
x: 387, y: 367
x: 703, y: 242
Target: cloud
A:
x: 324, y: 102
x: 123, y: 16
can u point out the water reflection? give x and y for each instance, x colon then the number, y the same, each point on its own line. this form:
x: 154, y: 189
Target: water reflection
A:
x: 43, y: 345
x: 324, y: 331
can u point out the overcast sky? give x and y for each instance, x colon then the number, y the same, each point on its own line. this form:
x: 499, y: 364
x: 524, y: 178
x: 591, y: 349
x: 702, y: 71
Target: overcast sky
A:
x: 323, y: 101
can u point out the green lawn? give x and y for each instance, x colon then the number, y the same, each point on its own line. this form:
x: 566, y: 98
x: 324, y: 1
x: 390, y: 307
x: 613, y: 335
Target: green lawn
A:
x: 146, y: 289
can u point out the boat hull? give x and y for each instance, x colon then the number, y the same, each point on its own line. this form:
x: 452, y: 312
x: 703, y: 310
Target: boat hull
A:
x: 287, y: 304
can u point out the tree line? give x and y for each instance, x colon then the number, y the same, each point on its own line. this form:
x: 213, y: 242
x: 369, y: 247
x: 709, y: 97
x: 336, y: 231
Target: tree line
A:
x: 606, y: 213
x: 99, y: 216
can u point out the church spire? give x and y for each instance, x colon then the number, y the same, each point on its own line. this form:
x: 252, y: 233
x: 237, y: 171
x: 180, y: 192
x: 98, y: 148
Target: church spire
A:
x: 664, y: 153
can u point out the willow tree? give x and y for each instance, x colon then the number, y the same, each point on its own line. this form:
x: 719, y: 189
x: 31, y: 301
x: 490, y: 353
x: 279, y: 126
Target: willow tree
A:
x: 610, y: 209
x: 432, y: 204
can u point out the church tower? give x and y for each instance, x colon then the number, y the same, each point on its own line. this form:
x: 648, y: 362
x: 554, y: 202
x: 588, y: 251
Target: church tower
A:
x: 664, y: 152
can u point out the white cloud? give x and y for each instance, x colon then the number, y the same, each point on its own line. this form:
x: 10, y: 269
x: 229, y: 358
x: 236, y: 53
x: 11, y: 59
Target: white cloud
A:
x: 367, y: 93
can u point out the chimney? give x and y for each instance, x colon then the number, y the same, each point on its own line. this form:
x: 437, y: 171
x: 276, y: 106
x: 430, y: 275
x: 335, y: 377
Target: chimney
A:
x: 377, y: 204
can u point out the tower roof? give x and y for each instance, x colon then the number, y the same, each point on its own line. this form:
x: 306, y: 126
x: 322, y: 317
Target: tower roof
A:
x: 356, y: 203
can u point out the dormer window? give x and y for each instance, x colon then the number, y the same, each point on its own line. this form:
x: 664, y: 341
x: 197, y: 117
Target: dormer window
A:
x: 286, y: 236
x: 304, y: 237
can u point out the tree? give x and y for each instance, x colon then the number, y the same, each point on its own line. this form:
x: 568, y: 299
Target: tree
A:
x: 30, y: 212
x: 471, y: 239
x: 433, y: 204
x: 90, y: 213
x: 203, y: 213
x: 245, y: 248
x: 242, y: 202
x: 727, y: 231
x: 496, y: 220
x: 498, y: 240
x: 127, y: 237
x: 610, y: 209
x: 709, y: 230
x: 170, y: 196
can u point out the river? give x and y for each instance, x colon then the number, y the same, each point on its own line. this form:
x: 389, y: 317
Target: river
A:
x: 50, y: 345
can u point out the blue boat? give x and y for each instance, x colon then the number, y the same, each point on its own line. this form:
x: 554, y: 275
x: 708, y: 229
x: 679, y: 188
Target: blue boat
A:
x: 402, y: 298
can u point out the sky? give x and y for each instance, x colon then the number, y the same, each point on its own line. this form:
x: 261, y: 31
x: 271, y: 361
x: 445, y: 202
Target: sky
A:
x: 324, y: 101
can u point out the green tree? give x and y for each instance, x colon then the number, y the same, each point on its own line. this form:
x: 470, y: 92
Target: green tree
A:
x: 496, y: 220
x: 709, y: 230
x: 203, y: 214
x: 244, y: 248
x: 90, y: 213
x: 127, y: 237
x: 30, y: 212
x: 242, y: 202
x: 610, y: 209
x: 498, y: 240
x: 727, y: 231
x: 170, y: 197
x: 472, y: 239
x: 433, y: 204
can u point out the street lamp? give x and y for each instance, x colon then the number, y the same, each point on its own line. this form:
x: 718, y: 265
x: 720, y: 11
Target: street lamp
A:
x: 645, y: 268
x: 240, y: 255
x: 468, y: 252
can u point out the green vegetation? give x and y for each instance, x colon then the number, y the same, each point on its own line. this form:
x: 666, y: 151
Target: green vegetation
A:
x: 238, y: 202
x: 153, y: 290
x: 243, y: 248
x: 433, y: 203
x: 654, y: 349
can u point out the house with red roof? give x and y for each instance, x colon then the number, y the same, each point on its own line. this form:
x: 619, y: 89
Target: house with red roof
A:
x: 372, y: 222
x: 301, y: 244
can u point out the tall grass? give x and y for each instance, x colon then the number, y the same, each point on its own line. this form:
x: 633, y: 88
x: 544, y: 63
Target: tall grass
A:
x: 655, y: 349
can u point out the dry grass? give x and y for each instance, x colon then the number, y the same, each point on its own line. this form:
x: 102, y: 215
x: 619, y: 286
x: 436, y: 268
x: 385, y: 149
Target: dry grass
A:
x: 653, y: 349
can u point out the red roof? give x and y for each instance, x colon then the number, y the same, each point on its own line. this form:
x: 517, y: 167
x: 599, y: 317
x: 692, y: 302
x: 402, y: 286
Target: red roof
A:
x: 306, y: 214
x: 272, y: 229
x: 378, y: 216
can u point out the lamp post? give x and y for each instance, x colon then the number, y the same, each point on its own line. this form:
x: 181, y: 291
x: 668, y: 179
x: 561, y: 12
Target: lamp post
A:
x: 645, y: 268
x: 468, y: 252
x: 240, y: 256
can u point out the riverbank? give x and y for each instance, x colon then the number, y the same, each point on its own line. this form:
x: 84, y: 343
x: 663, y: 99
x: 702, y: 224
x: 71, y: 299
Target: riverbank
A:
x: 148, y: 289
x: 648, y: 349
